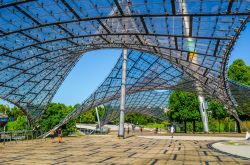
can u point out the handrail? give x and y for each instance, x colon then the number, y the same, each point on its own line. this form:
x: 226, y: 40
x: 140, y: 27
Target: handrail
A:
x: 19, y: 135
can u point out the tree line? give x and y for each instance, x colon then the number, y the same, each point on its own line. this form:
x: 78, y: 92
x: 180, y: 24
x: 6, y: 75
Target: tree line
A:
x: 58, y: 111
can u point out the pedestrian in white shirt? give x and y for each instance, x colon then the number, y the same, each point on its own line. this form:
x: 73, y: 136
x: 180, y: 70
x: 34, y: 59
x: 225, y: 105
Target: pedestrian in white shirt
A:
x: 172, y: 130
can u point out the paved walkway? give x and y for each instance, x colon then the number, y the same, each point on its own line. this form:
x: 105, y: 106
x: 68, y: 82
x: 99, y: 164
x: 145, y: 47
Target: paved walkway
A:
x: 234, y: 147
x: 108, y: 149
x: 195, y: 138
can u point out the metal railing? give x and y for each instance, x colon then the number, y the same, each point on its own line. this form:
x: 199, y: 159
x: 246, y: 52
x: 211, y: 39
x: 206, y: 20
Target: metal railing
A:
x: 20, y: 135
x: 96, y: 131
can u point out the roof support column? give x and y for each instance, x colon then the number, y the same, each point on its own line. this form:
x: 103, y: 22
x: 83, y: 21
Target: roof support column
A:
x: 202, y: 101
x: 188, y: 21
x: 123, y: 93
x: 98, y: 118
x: 201, y: 98
x: 203, y: 112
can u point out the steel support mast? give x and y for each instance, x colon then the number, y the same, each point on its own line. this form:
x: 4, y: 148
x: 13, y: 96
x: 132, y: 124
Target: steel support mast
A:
x: 98, y: 118
x: 123, y: 93
x: 202, y: 103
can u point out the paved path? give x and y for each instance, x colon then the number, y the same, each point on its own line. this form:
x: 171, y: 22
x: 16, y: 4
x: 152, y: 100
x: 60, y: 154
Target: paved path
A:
x: 195, y: 138
x: 242, y: 149
x: 111, y: 150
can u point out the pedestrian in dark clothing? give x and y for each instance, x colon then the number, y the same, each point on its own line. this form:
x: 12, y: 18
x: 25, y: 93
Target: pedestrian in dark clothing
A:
x: 52, y: 135
x: 156, y: 130
x: 59, y: 133
x: 141, y: 129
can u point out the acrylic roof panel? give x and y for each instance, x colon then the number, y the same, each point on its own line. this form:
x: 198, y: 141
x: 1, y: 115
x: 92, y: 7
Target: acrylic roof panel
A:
x: 41, y: 40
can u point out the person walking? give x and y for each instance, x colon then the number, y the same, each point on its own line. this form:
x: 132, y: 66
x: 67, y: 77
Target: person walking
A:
x: 59, y: 133
x: 52, y: 135
x: 156, y: 130
x: 141, y: 129
x: 172, y: 130
x: 133, y: 127
x: 128, y: 130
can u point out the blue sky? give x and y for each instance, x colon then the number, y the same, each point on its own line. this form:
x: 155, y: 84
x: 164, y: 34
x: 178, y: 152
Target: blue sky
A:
x: 87, y: 75
x: 94, y: 66
x: 242, y: 47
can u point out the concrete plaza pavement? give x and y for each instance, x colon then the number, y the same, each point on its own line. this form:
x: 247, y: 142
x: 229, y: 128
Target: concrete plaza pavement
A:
x: 108, y: 149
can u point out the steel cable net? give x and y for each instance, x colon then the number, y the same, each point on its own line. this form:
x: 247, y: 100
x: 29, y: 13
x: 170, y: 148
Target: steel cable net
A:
x: 40, y: 41
x: 241, y: 95
x: 151, y: 103
x: 148, y: 78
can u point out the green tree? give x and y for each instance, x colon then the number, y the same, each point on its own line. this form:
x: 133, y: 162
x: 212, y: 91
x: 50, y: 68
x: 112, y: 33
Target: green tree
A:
x: 19, y: 124
x: 54, y: 114
x: 217, y: 111
x: 140, y: 119
x: 101, y: 111
x: 239, y: 72
x: 88, y: 117
x: 15, y: 112
x: 4, y: 109
x: 183, y: 107
x: 20, y: 121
